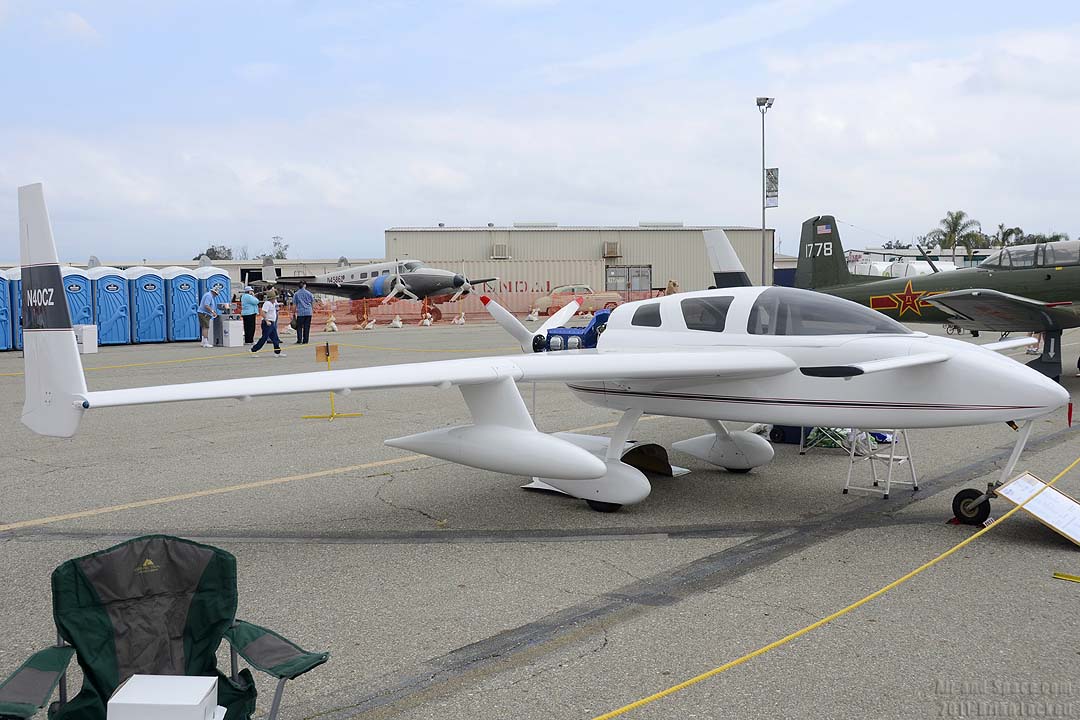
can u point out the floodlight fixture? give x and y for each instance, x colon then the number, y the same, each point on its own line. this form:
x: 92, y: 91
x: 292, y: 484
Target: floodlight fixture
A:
x: 765, y: 103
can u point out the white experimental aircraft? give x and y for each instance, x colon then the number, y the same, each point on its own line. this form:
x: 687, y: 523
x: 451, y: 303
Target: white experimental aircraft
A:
x: 777, y: 355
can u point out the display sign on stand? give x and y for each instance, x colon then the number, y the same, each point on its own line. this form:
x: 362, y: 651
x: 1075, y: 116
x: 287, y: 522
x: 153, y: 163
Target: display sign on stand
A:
x: 1052, y: 507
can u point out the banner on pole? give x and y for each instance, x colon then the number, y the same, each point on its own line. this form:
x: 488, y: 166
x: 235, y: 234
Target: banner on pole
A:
x: 772, y: 187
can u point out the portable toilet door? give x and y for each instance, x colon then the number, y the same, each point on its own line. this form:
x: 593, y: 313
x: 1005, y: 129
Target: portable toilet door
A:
x: 181, y: 303
x: 14, y: 287
x: 112, y: 310
x: 146, y: 290
x: 211, y: 277
x: 79, y: 298
x: 5, y: 312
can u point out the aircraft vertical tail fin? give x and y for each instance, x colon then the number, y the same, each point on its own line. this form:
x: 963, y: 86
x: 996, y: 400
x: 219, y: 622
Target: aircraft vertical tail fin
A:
x: 822, y: 262
x: 55, y: 384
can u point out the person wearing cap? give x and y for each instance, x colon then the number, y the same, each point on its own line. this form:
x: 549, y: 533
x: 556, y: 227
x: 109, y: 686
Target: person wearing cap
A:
x: 249, y: 309
x: 207, y: 312
x: 303, y: 302
x: 269, y: 325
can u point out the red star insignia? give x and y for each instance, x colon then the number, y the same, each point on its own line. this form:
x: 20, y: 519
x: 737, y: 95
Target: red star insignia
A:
x: 909, y: 300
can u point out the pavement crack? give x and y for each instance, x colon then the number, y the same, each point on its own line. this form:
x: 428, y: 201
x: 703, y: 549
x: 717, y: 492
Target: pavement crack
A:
x: 439, y: 522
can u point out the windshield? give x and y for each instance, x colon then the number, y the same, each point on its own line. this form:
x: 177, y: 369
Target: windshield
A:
x: 414, y: 265
x: 993, y: 260
x: 788, y: 311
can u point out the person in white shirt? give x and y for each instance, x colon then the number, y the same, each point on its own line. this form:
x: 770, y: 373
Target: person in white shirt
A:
x: 268, y: 314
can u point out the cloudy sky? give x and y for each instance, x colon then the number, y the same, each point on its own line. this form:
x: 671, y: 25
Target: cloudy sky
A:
x: 162, y: 126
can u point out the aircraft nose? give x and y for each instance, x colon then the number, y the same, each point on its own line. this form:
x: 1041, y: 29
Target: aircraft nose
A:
x: 458, y: 281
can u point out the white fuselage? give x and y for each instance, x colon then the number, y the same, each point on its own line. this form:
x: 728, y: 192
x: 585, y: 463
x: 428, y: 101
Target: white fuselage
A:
x: 974, y: 386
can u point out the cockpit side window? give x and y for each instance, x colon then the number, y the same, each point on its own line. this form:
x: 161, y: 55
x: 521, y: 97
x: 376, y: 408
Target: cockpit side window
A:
x: 1061, y: 253
x: 1021, y: 256
x: 706, y: 313
x: 788, y: 311
x: 647, y: 315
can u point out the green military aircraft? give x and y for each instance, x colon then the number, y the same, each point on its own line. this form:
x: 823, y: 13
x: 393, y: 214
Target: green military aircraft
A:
x: 1022, y: 288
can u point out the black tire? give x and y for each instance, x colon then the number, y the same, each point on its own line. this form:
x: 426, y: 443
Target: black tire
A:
x: 776, y: 435
x: 968, y: 513
x: 739, y: 471
x: 604, y: 507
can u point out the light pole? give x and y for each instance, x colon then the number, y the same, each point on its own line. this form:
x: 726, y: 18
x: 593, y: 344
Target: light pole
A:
x: 763, y: 104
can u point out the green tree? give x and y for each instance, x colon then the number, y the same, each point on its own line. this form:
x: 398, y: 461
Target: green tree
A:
x: 279, y: 251
x: 216, y: 252
x: 1039, y: 238
x: 956, y: 229
x: 1005, y: 235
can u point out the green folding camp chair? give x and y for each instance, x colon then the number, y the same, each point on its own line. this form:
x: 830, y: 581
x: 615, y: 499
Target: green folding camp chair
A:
x: 155, y: 605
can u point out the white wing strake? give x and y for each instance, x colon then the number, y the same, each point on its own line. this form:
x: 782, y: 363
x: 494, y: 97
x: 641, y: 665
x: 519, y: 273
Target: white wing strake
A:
x: 565, y: 367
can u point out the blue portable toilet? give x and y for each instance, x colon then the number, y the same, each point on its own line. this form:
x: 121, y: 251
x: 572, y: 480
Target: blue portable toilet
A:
x: 112, y: 308
x: 146, y: 290
x: 211, y: 277
x: 5, y: 312
x: 181, y: 303
x: 80, y: 299
x: 14, y: 287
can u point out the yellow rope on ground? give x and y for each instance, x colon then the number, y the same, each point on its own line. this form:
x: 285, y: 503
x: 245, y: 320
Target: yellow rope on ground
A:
x: 839, y: 613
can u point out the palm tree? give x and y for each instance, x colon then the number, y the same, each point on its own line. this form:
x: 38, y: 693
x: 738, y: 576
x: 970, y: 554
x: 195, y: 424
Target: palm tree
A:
x: 1005, y: 236
x: 956, y: 228
x: 1039, y: 238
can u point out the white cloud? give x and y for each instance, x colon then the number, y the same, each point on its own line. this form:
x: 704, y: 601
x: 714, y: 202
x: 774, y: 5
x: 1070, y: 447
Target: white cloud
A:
x: 74, y: 25
x: 744, y: 27
x: 887, y: 138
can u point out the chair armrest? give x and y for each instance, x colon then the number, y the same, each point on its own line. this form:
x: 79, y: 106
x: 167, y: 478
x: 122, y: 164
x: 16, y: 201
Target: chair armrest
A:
x: 269, y: 652
x: 29, y: 688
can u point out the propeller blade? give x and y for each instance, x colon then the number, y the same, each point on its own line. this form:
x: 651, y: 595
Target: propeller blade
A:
x: 561, y: 317
x: 509, y: 323
x: 463, y: 289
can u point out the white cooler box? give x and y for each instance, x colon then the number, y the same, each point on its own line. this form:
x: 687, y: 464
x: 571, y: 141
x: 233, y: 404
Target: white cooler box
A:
x: 228, y: 332
x: 86, y: 338
x: 166, y: 697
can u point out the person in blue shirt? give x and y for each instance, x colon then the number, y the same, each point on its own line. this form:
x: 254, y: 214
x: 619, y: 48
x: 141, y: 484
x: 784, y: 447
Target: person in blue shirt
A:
x: 249, y: 310
x: 207, y: 312
x: 303, y: 301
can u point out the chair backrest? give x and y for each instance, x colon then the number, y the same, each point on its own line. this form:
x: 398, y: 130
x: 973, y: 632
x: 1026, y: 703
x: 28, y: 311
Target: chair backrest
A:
x: 156, y: 605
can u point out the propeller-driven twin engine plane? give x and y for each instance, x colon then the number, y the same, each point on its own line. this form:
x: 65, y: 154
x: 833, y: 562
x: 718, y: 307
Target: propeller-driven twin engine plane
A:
x: 777, y: 355
x: 408, y: 279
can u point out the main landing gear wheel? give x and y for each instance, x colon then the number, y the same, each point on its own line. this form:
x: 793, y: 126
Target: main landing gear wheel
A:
x: 604, y: 507
x: 967, y: 511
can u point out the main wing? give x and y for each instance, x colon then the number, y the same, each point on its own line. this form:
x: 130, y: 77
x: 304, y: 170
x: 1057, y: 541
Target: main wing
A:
x: 569, y: 366
x: 993, y: 310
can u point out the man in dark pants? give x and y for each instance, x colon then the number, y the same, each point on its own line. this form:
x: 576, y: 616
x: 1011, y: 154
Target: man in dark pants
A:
x: 303, y: 301
x: 249, y: 309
